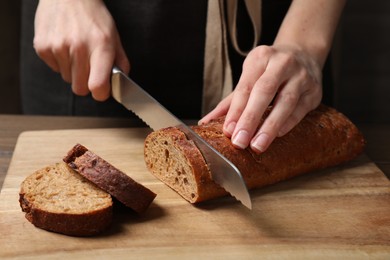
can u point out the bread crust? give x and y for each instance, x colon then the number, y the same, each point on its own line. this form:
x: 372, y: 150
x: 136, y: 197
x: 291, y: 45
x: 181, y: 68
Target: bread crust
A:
x: 86, y: 222
x: 110, y: 179
x: 324, y: 138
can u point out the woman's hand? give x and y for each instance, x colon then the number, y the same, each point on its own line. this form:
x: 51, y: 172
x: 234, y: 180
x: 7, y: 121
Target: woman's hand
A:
x: 79, y: 40
x: 283, y: 75
x: 287, y: 74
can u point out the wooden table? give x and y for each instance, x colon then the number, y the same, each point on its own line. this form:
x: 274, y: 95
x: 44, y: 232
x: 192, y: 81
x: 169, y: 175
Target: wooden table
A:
x: 340, y: 213
x: 378, y: 136
x: 11, y: 126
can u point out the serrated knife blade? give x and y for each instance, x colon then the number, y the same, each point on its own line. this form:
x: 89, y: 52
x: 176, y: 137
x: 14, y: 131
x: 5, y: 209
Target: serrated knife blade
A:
x: 134, y: 98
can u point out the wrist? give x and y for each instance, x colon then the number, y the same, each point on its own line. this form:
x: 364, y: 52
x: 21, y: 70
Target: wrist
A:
x: 310, y: 27
x: 315, y: 48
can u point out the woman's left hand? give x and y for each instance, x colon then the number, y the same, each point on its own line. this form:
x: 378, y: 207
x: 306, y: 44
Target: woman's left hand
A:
x: 283, y: 75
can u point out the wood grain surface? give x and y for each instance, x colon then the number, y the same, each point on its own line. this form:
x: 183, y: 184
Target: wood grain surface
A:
x: 341, y: 212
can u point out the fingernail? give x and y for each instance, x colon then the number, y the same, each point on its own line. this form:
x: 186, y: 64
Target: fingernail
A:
x: 241, y: 139
x: 230, y: 128
x: 261, y: 142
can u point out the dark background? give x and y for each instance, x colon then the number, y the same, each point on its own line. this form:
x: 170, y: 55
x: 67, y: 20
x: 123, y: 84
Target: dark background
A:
x: 361, y: 59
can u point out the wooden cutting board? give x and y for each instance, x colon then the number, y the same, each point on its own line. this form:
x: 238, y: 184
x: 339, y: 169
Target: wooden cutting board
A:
x: 336, y: 213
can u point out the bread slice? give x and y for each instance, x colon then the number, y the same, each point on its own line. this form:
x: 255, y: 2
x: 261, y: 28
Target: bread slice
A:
x: 58, y: 199
x: 322, y: 139
x: 107, y: 177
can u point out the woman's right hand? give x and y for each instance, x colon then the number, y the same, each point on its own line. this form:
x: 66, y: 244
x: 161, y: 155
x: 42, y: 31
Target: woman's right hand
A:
x: 79, y: 39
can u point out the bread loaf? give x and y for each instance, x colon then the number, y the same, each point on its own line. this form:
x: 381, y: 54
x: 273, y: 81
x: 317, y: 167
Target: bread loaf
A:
x: 58, y: 199
x: 322, y: 139
x: 109, y: 178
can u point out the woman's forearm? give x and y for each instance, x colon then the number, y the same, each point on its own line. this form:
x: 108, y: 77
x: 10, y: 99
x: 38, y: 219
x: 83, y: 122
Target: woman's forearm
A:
x: 310, y: 26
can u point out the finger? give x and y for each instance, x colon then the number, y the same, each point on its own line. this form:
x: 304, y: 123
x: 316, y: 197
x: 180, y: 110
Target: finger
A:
x: 251, y: 116
x: 254, y: 66
x: 306, y: 104
x: 101, y: 62
x: 294, y: 118
x: 51, y: 62
x: 261, y: 96
x: 42, y: 47
x: 285, y: 104
x: 293, y: 102
x: 80, y: 71
x: 60, y: 51
x: 220, y: 110
x: 309, y: 93
x: 47, y: 56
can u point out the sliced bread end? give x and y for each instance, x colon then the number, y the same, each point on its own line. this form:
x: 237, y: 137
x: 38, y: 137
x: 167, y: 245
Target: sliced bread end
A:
x: 58, y: 199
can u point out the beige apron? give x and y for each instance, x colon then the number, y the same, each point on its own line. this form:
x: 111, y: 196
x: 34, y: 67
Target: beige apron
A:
x: 217, y: 75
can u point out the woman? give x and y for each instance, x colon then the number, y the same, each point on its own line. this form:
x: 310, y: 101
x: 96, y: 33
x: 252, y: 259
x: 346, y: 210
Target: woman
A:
x: 164, y: 41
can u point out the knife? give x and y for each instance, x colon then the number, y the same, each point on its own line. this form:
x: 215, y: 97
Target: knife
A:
x: 134, y: 98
